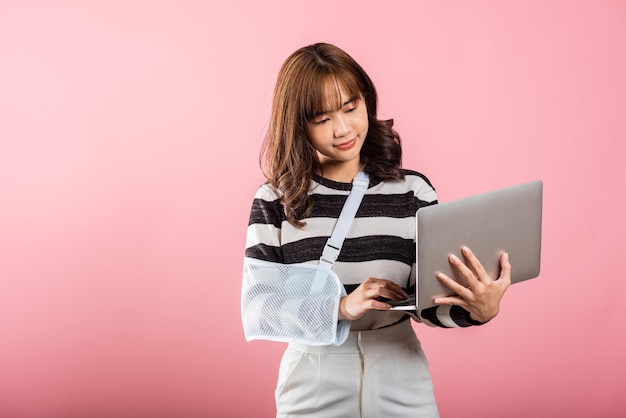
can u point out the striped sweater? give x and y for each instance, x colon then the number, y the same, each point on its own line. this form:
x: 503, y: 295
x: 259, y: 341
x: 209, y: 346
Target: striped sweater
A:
x: 380, y: 242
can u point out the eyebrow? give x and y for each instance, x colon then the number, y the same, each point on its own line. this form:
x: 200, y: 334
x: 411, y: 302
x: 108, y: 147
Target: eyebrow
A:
x: 347, y: 102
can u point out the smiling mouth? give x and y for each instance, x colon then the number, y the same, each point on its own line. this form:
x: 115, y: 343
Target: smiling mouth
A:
x: 346, y: 145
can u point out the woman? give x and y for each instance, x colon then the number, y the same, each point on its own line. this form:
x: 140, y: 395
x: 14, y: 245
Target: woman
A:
x: 323, y: 131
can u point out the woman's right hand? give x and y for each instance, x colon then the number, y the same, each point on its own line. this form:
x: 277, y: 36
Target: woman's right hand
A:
x: 365, y: 298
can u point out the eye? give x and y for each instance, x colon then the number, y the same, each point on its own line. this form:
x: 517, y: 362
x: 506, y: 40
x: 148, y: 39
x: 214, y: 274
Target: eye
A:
x: 320, y: 121
x: 352, y: 106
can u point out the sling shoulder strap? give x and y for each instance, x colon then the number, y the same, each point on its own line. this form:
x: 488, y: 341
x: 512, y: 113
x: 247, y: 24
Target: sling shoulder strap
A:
x: 348, y: 212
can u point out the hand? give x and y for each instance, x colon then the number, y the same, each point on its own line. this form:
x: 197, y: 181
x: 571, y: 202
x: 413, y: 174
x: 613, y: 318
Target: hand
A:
x: 365, y: 298
x: 483, y: 295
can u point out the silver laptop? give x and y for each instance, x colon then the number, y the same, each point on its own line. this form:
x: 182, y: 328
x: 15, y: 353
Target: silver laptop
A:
x: 505, y: 220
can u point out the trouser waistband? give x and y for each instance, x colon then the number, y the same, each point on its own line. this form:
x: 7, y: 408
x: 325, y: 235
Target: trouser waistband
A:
x: 366, y: 341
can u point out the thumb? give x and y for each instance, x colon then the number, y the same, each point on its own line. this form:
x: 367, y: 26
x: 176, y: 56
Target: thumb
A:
x: 505, y: 264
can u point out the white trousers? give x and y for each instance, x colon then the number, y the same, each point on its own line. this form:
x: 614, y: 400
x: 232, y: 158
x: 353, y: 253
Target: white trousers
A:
x: 374, y: 374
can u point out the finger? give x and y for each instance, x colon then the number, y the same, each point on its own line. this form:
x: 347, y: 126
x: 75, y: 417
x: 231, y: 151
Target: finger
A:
x: 389, y: 294
x: 384, y: 286
x: 454, y: 286
x: 505, y: 265
x: 385, y: 292
x: 398, y: 291
x: 377, y: 305
x: 468, y: 274
x: 450, y: 300
x: 475, y: 264
x: 394, y: 286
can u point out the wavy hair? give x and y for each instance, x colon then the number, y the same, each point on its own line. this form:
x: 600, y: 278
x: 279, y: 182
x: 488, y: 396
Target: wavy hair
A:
x: 288, y: 159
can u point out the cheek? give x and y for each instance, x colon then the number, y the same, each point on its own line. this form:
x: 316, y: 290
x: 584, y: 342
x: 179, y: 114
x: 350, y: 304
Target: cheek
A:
x: 317, y: 136
x: 364, y: 126
x: 363, y: 120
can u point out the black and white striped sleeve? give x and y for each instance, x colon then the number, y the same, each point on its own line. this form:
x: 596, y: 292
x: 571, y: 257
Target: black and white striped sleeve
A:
x: 263, y: 238
x: 446, y: 316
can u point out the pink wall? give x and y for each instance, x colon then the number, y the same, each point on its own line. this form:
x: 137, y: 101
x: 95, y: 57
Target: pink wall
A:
x: 129, y: 135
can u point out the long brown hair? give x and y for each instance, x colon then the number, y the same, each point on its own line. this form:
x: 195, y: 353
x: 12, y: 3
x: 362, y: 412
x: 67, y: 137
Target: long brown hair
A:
x: 288, y: 160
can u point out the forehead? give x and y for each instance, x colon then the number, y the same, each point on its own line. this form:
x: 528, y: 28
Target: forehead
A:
x: 332, y: 93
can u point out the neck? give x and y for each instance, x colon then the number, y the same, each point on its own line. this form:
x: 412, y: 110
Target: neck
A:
x: 343, y: 172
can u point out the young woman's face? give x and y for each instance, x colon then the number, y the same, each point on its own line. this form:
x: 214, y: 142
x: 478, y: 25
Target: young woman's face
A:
x: 338, y: 134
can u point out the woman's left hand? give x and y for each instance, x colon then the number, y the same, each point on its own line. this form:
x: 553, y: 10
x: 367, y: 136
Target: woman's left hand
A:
x: 482, y: 296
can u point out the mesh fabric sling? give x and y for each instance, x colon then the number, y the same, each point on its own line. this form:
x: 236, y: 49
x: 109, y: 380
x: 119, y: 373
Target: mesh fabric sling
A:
x: 300, y: 302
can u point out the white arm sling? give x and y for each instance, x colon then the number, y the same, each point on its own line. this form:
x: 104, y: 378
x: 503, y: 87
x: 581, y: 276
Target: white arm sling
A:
x: 300, y: 302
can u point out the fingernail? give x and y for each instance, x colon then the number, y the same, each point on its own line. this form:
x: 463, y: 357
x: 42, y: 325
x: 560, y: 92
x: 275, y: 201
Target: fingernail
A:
x: 453, y: 257
x: 465, y: 249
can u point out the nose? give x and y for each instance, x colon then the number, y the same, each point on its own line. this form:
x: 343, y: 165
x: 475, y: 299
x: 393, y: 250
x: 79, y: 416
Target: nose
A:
x: 342, y: 126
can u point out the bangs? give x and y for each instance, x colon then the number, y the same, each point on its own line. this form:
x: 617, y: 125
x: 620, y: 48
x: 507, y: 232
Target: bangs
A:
x: 325, y: 95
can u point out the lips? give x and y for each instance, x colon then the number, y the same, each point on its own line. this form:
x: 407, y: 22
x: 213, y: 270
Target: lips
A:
x: 346, y: 145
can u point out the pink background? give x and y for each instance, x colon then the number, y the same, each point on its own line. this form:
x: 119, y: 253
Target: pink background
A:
x: 129, y: 140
